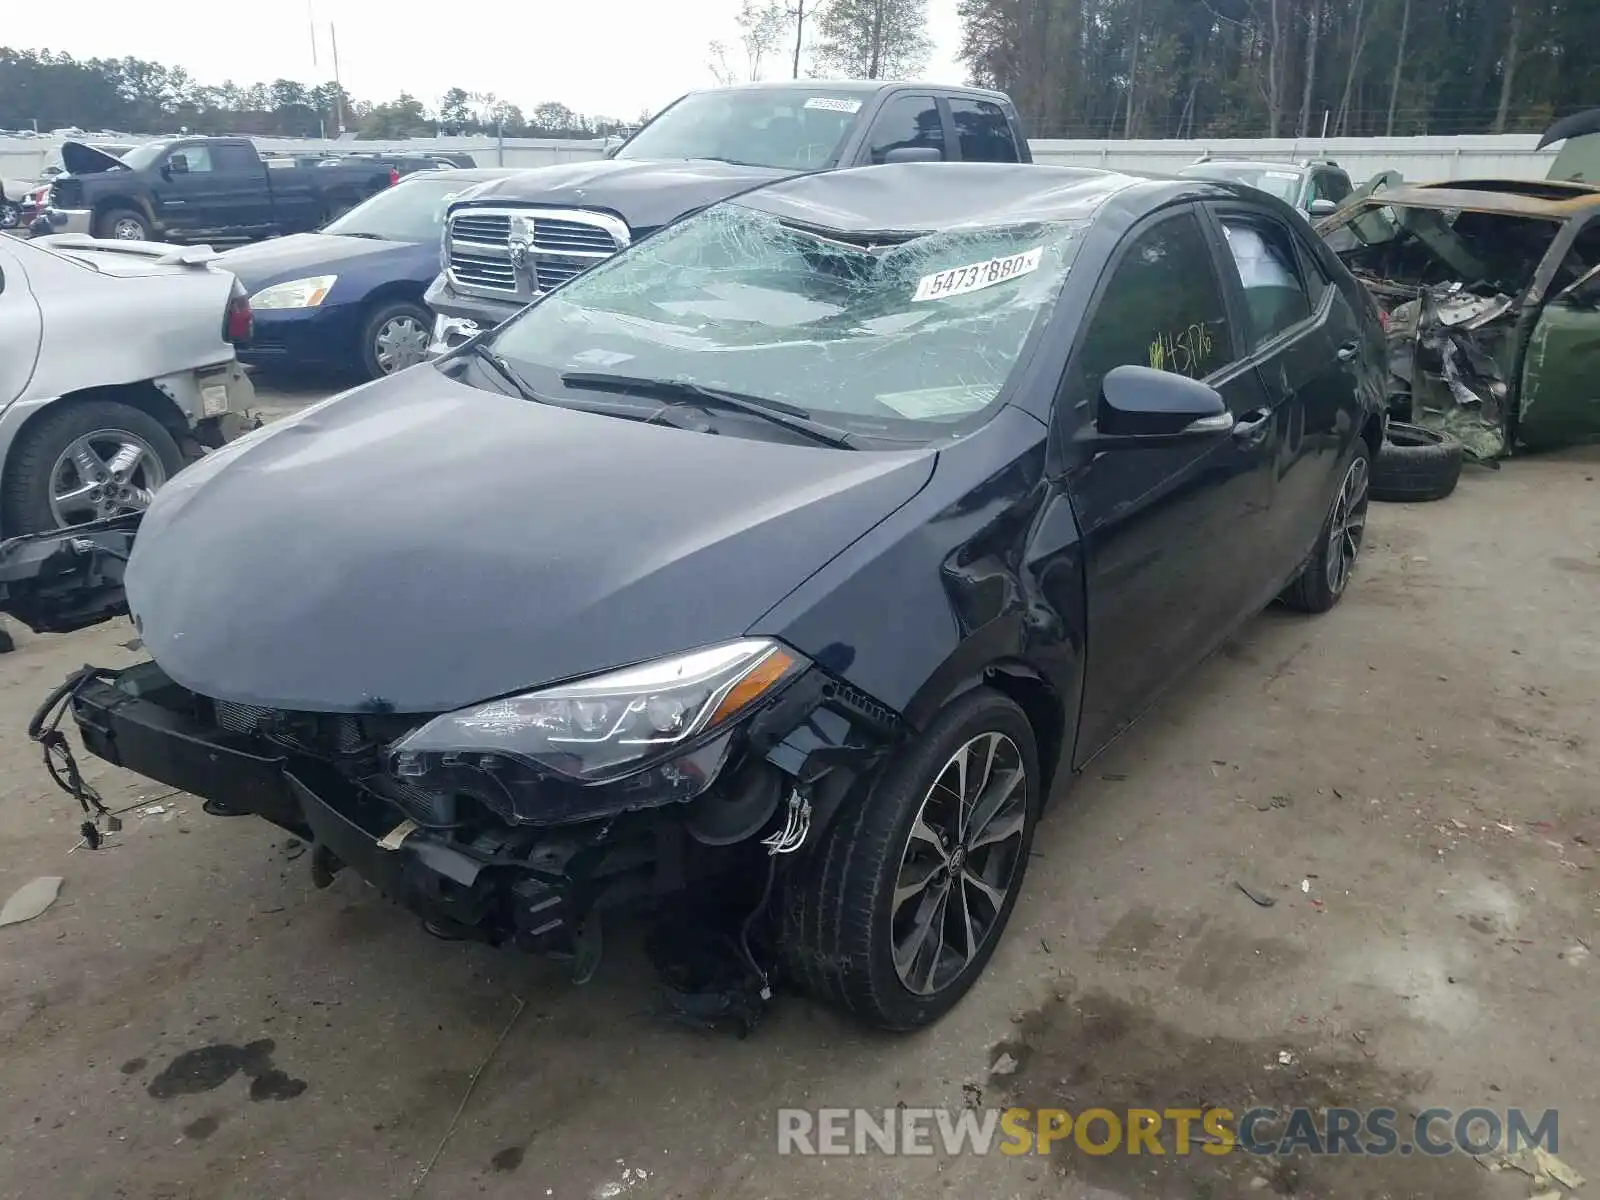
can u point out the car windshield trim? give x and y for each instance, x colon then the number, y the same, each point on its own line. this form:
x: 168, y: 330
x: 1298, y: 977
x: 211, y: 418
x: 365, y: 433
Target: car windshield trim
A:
x: 789, y: 416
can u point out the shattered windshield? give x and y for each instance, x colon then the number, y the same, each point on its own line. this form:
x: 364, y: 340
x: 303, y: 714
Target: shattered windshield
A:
x: 900, y: 338
x: 792, y: 129
x: 1285, y: 185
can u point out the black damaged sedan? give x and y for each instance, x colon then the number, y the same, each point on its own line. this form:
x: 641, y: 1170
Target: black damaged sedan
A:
x: 784, y: 562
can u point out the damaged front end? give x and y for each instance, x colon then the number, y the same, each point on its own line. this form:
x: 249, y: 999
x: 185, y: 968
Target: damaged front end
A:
x: 1487, y: 295
x: 521, y: 821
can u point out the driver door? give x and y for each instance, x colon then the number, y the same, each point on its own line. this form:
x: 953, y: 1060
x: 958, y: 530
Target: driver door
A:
x: 1177, y: 539
x: 185, y: 190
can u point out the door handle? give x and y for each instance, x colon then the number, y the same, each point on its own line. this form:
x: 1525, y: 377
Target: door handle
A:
x: 1348, y: 351
x: 1252, y: 427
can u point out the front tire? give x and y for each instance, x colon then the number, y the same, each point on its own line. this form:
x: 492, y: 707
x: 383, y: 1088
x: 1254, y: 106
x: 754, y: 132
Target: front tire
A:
x: 122, y: 225
x: 896, y: 912
x: 395, y: 337
x: 1324, y: 579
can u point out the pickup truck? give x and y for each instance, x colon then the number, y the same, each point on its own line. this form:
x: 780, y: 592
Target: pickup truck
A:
x: 200, y: 189
x: 509, y: 241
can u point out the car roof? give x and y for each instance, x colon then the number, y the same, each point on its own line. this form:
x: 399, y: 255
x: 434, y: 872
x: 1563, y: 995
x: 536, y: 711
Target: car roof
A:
x: 1549, y: 199
x: 917, y: 198
x: 864, y: 87
x: 1252, y: 164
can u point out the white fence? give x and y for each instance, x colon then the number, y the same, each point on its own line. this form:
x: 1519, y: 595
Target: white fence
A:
x: 1511, y: 156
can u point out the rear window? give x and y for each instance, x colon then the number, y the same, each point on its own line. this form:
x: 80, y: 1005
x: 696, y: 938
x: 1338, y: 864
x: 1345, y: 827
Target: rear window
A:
x: 1279, y: 182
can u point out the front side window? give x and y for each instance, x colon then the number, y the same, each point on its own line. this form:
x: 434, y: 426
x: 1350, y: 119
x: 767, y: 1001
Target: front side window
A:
x: 982, y: 131
x: 1331, y: 185
x: 196, y: 158
x: 907, y: 122
x: 792, y: 129
x: 1265, y: 258
x: 1162, y: 308
x: 903, y: 339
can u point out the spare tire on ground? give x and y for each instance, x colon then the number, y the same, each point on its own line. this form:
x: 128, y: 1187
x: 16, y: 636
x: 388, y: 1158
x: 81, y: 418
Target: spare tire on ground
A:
x: 1416, y: 464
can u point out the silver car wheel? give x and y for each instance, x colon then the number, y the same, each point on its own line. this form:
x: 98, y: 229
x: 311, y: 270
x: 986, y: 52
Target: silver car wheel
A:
x: 959, y: 864
x: 401, y: 342
x: 10, y: 215
x: 1348, y: 524
x: 103, y: 474
x: 128, y: 230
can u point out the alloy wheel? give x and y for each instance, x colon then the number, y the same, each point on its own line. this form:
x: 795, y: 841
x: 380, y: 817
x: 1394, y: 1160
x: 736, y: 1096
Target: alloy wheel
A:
x: 401, y: 342
x: 128, y: 230
x: 103, y: 474
x: 960, y: 863
x: 1348, y: 525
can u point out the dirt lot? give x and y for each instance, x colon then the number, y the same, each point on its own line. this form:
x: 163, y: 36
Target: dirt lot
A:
x: 1410, y: 779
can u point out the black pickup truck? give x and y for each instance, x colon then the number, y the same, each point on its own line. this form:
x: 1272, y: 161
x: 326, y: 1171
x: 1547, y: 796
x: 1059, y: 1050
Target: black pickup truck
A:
x: 508, y: 241
x: 194, y: 189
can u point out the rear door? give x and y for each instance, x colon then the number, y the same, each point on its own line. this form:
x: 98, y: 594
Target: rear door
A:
x: 1174, y: 537
x: 245, y: 203
x: 1304, y: 342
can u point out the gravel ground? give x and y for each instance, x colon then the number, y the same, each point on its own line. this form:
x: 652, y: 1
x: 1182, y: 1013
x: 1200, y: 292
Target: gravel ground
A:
x: 1409, y: 780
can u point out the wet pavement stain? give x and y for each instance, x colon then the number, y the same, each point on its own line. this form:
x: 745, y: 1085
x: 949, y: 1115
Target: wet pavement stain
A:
x: 134, y: 1065
x: 209, y: 1067
x: 201, y: 1128
x: 1098, y: 1051
x: 508, y: 1159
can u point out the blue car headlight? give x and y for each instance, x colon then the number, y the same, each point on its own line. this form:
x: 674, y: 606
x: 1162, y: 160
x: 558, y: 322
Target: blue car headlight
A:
x: 605, y: 727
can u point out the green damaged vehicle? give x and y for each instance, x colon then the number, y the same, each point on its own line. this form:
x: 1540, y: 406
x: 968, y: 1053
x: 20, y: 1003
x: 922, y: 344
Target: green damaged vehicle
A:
x: 1490, y: 292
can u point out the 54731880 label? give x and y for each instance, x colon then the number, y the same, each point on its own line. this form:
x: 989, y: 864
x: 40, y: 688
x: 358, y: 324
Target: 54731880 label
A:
x: 957, y: 281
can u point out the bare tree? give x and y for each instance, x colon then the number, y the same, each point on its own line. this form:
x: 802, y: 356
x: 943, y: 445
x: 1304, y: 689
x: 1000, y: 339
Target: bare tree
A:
x: 762, y: 27
x: 1358, y: 41
x: 1313, y: 28
x: 873, y: 39
x: 1508, y: 67
x: 1399, y: 64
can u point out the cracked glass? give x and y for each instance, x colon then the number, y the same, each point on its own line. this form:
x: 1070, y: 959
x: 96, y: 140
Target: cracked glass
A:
x: 895, y: 333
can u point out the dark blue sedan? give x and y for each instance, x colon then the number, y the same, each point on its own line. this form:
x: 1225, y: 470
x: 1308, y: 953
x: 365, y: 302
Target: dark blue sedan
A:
x: 349, y: 297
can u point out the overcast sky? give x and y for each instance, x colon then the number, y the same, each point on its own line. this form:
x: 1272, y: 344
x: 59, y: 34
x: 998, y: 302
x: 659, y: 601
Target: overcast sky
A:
x: 606, y: 57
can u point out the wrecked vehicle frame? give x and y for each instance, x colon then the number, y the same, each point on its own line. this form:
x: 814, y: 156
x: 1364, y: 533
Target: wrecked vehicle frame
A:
x: 1490, y: 291
x: 922, y: 483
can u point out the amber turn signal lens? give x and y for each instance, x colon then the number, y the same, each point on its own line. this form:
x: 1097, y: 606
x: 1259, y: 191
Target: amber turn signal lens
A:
x: 754, y: 685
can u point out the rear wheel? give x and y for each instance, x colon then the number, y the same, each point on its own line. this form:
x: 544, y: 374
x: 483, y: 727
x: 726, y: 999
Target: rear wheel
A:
x: 394, y: 337
x: 1324, y: 579
x: 83, y: 462
x: 123, y: 225
x: 10, y: 214
x: 897, y: 910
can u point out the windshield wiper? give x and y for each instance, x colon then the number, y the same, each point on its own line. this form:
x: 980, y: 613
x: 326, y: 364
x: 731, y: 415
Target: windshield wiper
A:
x: 776, y: 411
x: 507, y: 372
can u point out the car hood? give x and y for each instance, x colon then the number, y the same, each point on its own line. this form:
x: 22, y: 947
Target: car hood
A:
x: 417, y: 545
x: 303, y: 254
x: 81, y: 159
x: 644, y: 193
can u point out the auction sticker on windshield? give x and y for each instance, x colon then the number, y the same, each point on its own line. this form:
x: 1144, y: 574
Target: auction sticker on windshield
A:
x: 833, y: 104
x: 957, y: 281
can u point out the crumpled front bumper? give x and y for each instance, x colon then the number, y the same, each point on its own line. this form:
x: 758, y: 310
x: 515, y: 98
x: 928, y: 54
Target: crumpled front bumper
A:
x: 136, y: 719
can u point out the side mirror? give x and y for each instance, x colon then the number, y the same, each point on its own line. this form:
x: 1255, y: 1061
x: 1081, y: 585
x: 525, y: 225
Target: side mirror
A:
x: 1140, y: 406
x: 907, y: 154
x: 1323, y: 208
x: 178, y: 164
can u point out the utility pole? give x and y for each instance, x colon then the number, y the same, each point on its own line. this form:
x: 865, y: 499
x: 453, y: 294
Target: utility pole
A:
x: 338, y: 88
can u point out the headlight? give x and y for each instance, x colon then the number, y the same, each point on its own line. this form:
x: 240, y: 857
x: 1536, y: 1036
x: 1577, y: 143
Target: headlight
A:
x: 603, y: 727
x: 296, y: 293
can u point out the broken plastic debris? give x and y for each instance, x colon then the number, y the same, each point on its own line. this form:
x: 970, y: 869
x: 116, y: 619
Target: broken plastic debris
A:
x: 155, y: 810
x: 1285, y: 1058
x: 31, y: 899
x: 1004, y: 1065
x: 1261, y: 898
x: 1305, y: 886
x: 1539, y: 1164
x: 1575, y: 954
